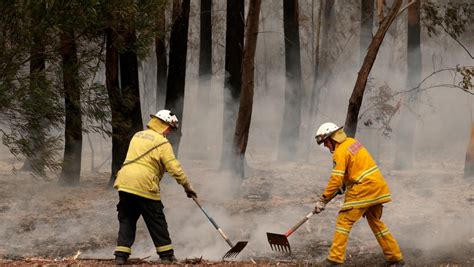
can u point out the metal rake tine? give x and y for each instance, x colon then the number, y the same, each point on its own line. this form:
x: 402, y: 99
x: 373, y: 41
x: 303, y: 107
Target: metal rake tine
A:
x: 230, y: 255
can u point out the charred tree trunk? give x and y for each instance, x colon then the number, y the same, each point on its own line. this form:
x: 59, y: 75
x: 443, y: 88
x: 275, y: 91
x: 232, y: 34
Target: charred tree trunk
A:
x: 404, y: 154
x: 113, y: 90
x: 205, y: 75
x: 366, y: 24
x: 315, y: 91
x: 242, y: 126
x: 327, y: 23
x: 36, y: 137
x: 469, y: 163
x: 71, y: 167
x: 177, y: 67
x: 161, y: 62
x: 290, y: 131
x: 234, y: 43
x: 124, y: 96
x: 358, y: 92
x: 129, y: 84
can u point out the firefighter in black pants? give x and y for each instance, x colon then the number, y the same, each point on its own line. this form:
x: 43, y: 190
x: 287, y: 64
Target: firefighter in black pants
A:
x: 138, y: 182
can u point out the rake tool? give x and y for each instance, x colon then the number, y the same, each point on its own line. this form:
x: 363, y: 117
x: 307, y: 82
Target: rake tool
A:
x: 279, y: 242
x: 234, y: 250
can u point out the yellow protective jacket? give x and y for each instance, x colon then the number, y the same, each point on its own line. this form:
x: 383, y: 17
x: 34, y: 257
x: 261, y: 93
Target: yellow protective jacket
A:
x: 355, y: 169
x: 142, y: 177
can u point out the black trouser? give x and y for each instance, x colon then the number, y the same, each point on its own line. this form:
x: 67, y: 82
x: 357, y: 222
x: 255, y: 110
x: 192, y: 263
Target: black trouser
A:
x: 129, y: 208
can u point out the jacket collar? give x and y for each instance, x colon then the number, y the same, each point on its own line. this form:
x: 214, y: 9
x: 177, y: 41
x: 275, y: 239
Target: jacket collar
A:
x: 157, y: 125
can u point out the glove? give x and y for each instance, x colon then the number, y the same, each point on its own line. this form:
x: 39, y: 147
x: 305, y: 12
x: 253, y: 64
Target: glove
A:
x: 189, y: 190
x: 319, y: 207
x: 341, y: 190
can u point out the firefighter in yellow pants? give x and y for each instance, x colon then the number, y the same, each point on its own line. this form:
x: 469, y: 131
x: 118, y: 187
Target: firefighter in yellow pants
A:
x: 356, y: 174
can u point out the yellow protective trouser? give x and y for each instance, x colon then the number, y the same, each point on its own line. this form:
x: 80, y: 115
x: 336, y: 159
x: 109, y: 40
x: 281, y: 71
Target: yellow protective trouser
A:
x: 346, y: 220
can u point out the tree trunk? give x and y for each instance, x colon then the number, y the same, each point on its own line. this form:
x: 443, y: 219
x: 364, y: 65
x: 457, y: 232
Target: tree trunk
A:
x: 404, y: 154
x: 205, y: 76
x: 315, y: 92
x: 161, y: 62
x: 177, y: 68
x: 358, y: 92
x: 366, y: 24
x: 129, y: 84
x: 124, y: 100
x: 469, y: 163
x: 290, y: 131
x: 242, y: 126
x: 71, y: 167
x: 113, y: 90
x: 36, y: 137
x: 327, y: 24
x: 234, y: 43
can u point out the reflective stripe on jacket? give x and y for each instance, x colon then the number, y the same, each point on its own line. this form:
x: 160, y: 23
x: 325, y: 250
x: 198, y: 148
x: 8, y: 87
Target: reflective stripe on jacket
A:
x: 357, y: 171
x: 142, y: 176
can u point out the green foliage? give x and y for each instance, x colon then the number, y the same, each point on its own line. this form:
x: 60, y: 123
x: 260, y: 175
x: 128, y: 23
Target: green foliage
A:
x: 32, y: 103
x: 452, y: 17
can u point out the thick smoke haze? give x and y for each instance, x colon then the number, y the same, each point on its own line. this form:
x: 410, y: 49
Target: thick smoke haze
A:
x: 431, y: 214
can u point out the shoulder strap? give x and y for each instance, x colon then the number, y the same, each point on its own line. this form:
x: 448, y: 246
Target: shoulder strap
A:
x: 142, y: 155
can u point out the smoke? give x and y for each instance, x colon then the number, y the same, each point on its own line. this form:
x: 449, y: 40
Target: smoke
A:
x: 430, y: 215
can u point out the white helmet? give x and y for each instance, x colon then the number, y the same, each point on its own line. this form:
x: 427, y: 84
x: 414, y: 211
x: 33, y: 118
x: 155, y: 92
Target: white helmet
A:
x: 325, y: 131
x: 168, y: 117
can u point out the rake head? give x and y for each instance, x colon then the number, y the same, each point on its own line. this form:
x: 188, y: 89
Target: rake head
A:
x: 279, y: 242
x: 235, y: 250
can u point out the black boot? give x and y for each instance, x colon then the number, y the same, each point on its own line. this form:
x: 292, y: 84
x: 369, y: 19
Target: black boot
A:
x: 328, y: 262
x: 168, y: 259
x: 396, y: 263
x: 120, y: 260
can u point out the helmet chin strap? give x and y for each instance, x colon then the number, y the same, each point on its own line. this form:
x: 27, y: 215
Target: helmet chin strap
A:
x: 333, y: 145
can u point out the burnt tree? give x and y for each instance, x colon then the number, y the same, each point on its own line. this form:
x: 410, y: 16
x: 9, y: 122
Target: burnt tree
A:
x: 234, y: 43
x: 404, y: 154
x: 71, y: 166
x: 113, y: 91
x: 244, y: 117
x: 358, y: 92
x: 161, y: 61
x: 289, y: 134
x: 177, y: 66
x: 469, y: 163
x: 205, y: 74
x: 36, y: 121
x: 124, y: 96
x: 328, y: 21
x: 366, y: 24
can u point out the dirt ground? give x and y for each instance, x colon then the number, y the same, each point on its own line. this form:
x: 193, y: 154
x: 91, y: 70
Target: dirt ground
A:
x: 432, y: 217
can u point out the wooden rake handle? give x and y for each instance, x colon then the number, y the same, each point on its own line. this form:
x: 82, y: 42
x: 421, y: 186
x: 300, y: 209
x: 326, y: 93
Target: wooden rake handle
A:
x: 297, y: 225
x: 214, y: 223
x: 302, y: 221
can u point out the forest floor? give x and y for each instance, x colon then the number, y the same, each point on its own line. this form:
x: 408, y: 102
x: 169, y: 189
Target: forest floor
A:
x: 431, y: 216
